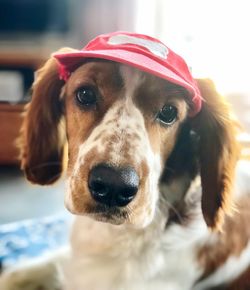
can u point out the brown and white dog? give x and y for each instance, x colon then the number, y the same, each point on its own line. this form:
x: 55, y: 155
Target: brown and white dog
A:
x: 153, y: 189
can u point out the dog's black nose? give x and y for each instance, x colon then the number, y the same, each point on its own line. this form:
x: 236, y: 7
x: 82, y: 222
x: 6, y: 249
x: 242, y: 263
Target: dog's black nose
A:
x: 113, y: 186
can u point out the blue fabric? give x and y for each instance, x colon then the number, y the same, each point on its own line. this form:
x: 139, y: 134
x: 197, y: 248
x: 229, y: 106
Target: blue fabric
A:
x: 31, y: 238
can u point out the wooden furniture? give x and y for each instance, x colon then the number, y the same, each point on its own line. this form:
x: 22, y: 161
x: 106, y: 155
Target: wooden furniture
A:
x: 11, y: 114
x: 10, y: 120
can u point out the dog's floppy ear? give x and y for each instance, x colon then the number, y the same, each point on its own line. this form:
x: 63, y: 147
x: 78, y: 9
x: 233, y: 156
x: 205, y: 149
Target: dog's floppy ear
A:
x: 218, y: 153
x: 41, y: 141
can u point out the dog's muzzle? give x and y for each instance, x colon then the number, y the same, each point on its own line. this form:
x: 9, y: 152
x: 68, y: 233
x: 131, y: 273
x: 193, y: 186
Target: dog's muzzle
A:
x: 113, y: 186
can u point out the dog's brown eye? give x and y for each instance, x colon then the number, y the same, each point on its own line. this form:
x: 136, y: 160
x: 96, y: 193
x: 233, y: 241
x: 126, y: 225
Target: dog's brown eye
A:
x: 167, y: 115
x: 86, y: 97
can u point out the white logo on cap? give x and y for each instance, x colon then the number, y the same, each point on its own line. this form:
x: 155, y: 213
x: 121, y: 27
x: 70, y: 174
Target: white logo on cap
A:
x: 156, y: 48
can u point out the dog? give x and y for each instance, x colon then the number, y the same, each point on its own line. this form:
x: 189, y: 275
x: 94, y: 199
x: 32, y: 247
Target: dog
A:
x: 152, y: 172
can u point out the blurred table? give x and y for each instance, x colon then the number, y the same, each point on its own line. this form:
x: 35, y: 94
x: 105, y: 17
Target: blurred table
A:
x: 15, y: 59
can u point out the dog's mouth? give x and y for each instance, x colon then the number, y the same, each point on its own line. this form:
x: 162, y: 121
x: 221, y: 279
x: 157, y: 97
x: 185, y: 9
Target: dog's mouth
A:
x: 108, y: 214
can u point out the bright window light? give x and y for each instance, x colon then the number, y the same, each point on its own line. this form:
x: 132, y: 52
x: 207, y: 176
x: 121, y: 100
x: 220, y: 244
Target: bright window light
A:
x: 213, y: 36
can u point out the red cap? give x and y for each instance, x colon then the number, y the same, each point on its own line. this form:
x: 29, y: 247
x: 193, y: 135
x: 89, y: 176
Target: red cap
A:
x: 141, y: 51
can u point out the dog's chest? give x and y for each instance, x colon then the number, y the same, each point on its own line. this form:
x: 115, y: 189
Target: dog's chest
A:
x: 107, y: 257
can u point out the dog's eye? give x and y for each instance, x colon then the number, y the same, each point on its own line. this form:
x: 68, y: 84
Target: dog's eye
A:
x: 86, y: 97
x: 167, y: 115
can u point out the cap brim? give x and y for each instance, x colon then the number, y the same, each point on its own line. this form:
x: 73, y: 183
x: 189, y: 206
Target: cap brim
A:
x: 70, y: 60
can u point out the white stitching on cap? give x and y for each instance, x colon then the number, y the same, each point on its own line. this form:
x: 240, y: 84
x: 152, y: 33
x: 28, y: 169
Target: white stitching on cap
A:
x: 156, y: 48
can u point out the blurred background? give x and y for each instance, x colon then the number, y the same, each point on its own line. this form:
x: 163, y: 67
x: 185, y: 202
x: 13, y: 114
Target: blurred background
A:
x: 212, y: 35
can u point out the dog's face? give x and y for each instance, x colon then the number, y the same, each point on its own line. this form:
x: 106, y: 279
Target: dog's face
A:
x: 122, y: 126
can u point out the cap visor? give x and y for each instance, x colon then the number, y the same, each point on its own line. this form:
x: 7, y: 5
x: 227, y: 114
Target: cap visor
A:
x: 71, y: 60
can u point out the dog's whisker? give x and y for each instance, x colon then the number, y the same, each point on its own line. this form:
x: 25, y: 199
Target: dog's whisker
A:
x: 166, y: 205
x: 54, y: 177
x: 177, y: 213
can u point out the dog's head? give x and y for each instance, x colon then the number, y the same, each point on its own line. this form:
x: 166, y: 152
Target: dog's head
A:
x: 122, y: 128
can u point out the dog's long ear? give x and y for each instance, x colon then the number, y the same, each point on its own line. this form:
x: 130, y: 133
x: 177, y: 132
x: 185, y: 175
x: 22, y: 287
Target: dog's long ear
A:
x: 41, y: 141
x: 219, y: 152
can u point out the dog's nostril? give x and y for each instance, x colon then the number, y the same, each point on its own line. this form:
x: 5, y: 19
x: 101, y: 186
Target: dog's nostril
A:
x: 113, y: 186
x: 125, y: 197
x: 99, y: 186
